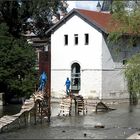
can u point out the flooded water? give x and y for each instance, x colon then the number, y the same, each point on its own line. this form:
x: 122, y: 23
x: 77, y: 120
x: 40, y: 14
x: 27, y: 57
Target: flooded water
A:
x: 9, y: 109
x: 119, y: 124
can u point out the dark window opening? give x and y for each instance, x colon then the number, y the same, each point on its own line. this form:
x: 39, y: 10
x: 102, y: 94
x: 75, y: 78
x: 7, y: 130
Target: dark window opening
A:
x: 66, y: 39
x: 76, y: 39
x: 86, y: 39
x: 124, y: 61
x: 75, y: 77
x: 134, y: 43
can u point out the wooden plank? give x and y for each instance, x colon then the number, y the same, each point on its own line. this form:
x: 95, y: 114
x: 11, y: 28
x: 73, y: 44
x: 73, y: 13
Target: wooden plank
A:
x: 7, y: 120
x: 64, y: 110
x: 2, y: 123
x: 8, y: 117
x: 28, y: 105
x: 18, y: 114
x: 63, y: 105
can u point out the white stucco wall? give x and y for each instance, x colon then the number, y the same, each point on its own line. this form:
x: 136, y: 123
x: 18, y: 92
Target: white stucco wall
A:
x: 88, y: 57
x: 101, y: 73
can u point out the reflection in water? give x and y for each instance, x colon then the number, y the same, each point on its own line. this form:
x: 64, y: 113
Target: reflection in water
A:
x: 9, y: 109
x: 131, y: 108
x: 1, y: 110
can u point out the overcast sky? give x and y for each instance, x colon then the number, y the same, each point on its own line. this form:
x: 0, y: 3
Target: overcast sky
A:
x: 88, y: 5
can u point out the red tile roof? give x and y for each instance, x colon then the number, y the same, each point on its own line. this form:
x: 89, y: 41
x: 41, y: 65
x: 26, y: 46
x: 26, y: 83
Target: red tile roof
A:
x: 105, y: 22
x: 100, y: 18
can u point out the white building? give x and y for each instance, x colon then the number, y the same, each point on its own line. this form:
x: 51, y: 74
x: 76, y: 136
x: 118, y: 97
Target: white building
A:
x: 79, y: 51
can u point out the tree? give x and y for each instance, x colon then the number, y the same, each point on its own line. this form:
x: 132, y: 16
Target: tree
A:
x: 132, y: 72
x: 17, y: 12
x: 42, y: 14
x: 9, y: 15
x: 125, y: 15
x: 17, y: 65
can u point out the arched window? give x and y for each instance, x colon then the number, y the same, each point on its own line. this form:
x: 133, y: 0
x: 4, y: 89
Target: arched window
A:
x: 75, y: 77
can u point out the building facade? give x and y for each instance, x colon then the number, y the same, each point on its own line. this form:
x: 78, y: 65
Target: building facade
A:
x: 79, y: 50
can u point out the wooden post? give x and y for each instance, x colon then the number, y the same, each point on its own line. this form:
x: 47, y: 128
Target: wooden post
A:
x: 19, y: 121
x: 1, y: 98
x: 78, y: 107
x: 41, y: 111
x: 29, y: 117
x: 25, y: 118
x: 35, y: 109
x: 49, y: 86
x: 75, y: 106
x: 83, y: 107
x: 45, y: 65
x: 70, y: 106
x: 39, y: 107
x: 49, y: 108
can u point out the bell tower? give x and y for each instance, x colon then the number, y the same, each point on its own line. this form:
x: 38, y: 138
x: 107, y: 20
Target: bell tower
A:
x: 98, y: 7
x: 107, y: 6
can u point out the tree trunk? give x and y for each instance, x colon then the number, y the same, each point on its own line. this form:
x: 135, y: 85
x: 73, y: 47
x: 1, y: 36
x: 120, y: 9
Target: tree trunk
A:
x: 133, y: 99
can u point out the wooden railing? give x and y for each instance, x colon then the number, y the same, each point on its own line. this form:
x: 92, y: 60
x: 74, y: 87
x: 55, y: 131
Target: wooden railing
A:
x: 36, y: 107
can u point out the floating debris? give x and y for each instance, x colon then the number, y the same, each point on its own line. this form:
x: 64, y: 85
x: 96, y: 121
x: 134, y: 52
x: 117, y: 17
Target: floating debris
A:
x: 102, y: 107
x: 85, y: 134
x: 99, y: 125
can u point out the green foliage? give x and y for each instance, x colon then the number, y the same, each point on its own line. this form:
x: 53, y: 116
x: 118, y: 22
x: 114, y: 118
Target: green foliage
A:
x: 126, y: 19
x: 114, y: 37
x: 135, y: 22
x: 17, y: 58
x: 126, y: 15
x: 16, y: 12
x: 17, y: 65
x: 132, y: 73
x: 3, y: 29
x: 9, y: 15
x: 42, y: 13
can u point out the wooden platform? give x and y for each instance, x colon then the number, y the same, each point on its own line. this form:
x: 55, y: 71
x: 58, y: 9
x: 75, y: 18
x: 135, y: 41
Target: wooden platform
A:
x: 66, y: 105
x: 80, y: 104
x: 32, y: 105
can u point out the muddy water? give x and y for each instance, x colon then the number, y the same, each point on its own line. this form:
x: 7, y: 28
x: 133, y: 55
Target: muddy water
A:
x: 9, y: 109
x: 119, y: 124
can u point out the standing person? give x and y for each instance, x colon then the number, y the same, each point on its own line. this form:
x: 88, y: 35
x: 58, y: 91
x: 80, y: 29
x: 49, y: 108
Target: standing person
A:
x: 43, y: 81
x: 67, y: 83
